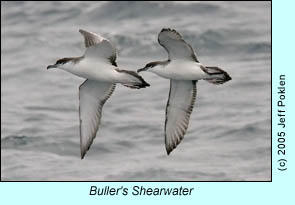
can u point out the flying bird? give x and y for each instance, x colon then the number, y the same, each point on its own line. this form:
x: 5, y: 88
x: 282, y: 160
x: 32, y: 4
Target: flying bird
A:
x: 184, y: 70
x: 98, y: 65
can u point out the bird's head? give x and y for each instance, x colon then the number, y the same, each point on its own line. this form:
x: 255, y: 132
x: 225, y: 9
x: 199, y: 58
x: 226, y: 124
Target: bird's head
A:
x: 61, y: 63
x: 150, y: 66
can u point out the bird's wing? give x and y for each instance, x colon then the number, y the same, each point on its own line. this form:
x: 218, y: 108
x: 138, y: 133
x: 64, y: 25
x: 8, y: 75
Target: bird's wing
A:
x: 176, y: 47
x: 99, y: 47
x: 90, y: 38
x: 179, y: 107
x: 92, y: 96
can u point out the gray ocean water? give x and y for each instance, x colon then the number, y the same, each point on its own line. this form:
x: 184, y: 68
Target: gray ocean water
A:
x: 229, y: 135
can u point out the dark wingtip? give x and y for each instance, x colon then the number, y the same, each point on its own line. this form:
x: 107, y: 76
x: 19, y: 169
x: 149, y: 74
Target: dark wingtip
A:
x: 145, y: 84
x: 222, y: 77
x: 226, y: 77
x: 82, y: 155
x: 137, y: 85
x: 168, y: 151
x: 142, y: 85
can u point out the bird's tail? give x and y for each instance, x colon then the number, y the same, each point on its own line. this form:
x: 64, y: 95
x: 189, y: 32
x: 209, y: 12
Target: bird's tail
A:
x: 216, y: 75
x: 134, y: 81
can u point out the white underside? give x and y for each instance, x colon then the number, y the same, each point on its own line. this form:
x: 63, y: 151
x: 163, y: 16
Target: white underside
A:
x: 97, y: 70
x: 181, y: 70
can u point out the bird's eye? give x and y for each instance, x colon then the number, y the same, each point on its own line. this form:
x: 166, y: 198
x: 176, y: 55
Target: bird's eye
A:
x: 63, y: 61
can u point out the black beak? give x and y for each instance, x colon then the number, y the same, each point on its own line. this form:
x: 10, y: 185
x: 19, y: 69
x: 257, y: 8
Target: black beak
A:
x: 50, y: 66
x: 142, y: 69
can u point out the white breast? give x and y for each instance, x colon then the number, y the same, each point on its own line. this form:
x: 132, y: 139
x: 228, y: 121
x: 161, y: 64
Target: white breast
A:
x: 93, y: 70
x: 181, y: 70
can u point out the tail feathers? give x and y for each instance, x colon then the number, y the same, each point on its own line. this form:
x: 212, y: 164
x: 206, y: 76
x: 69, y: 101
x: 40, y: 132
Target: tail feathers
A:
x: 140, y: 82
x: 217, y: 75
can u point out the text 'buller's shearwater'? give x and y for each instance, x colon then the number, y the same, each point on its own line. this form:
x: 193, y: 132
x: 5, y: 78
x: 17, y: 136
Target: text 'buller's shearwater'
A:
x: 98, y: 65
x: 184, y: 70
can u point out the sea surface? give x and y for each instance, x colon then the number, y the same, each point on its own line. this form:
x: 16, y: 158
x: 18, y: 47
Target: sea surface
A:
x: 229, y: 135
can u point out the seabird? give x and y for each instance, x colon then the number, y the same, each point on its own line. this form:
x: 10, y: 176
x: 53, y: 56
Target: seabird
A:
x: 98, y: 65
x: 184, y: 70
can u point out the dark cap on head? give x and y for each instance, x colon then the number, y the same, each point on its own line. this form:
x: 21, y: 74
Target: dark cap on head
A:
x: 153, y: 64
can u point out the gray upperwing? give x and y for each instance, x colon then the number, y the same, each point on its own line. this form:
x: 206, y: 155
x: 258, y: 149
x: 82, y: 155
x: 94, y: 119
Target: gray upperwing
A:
x: 90, y: 38
x: 176, y: 47
x: 179, y: 107
x: 92, y: 96
x: 99, y: 47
